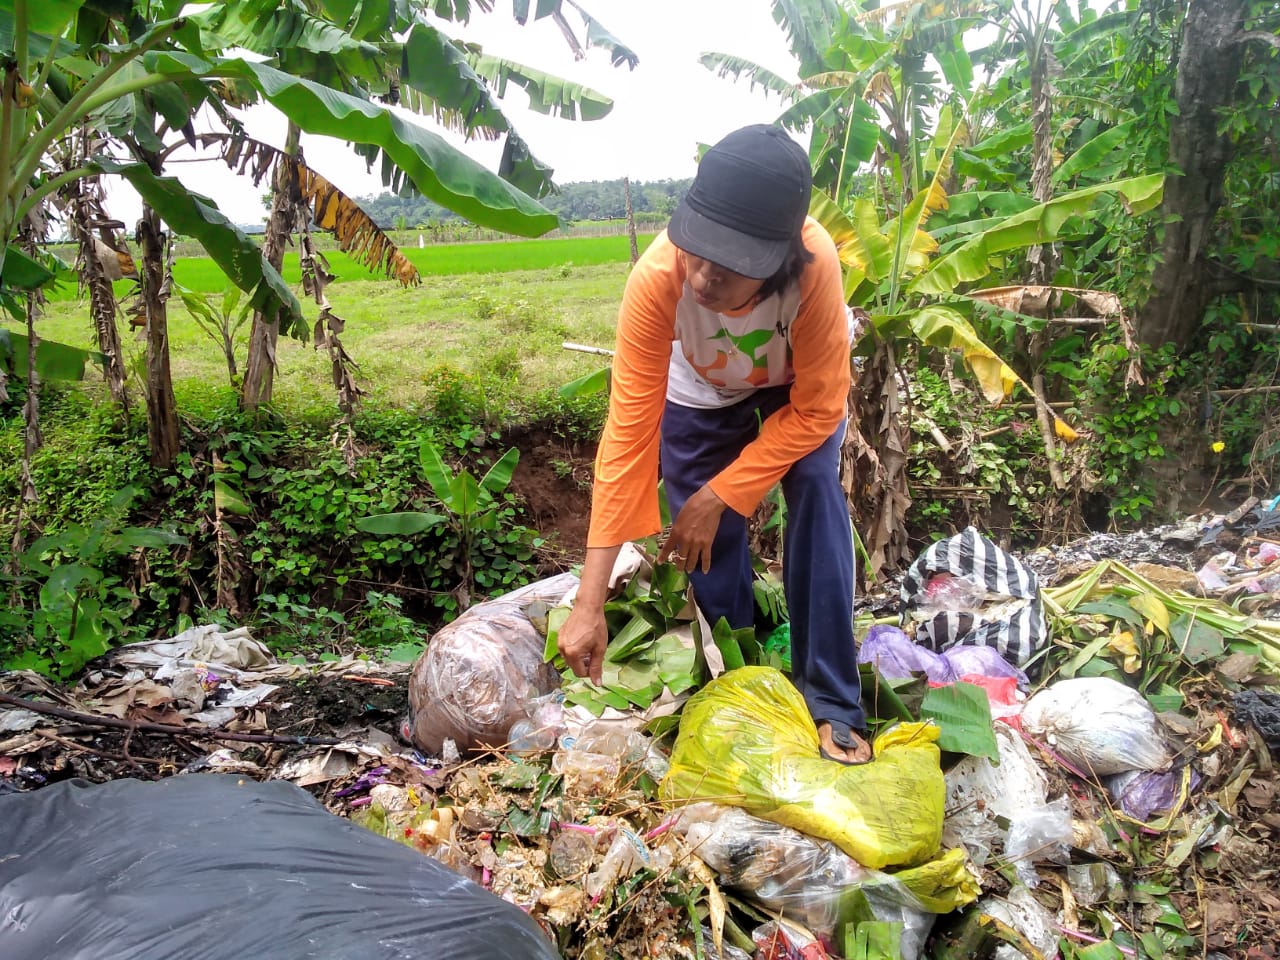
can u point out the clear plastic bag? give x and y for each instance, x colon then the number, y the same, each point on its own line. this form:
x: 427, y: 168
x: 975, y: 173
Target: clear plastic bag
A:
x: 1040, y: 834
x: 1098, y: 724
x: 478, y: 674
x: 747, y: 739
x: 979, y: 791
x: 812, y: 881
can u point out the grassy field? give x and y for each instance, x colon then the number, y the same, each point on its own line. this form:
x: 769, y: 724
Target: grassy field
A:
x: 496, y: 313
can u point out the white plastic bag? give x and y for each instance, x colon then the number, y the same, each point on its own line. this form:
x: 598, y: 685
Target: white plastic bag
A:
x: 1098, y: 724
x: 979, y: 791
x: 1024, y: 913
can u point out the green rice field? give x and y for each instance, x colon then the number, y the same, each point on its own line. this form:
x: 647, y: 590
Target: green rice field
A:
x: 496, y: 314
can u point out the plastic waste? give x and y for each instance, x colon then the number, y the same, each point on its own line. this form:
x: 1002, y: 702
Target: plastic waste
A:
x: 1025, y: 914
x: 777, y: 647
x: 571, y: 854
x: 946, y: 591
x: 812, y: 881
x: 1141, y: 793
x: 1098, y: 724
x: 479, y: 673
x: 214, y: 867
x: 1096, y: 882
x: 585, y: 773
x: 897, y: 657
x: 746, y: 738
x: 541, y: 730
x: 966, y: 590
x: 626, y: 854
x: 979, y: 793
x: 784, y: 940
x: 1039, y: 834
x: 1261, y: 709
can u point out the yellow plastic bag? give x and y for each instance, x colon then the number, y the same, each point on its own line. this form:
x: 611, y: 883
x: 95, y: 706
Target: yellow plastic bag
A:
x: 747, y: 739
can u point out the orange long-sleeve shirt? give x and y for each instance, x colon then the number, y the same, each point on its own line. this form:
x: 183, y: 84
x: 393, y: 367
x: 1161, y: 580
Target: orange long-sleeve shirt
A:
x: 668, y: 346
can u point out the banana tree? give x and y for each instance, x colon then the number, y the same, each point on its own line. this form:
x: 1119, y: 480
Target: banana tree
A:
x: 870, y: 97
x: 385, y: 49
x: 63, y: 76
x: 917, y: 289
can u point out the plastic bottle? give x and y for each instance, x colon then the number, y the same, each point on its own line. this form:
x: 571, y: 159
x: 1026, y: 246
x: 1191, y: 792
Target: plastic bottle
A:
x: 571, y: 853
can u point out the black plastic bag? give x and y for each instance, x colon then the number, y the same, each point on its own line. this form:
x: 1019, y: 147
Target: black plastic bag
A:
x: 209, y: 867
x: 1261, y: 710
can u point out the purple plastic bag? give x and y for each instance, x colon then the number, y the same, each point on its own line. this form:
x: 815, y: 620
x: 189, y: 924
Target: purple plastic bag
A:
x: 984, y: 661
x: 896, y: 657
x: 1140, y: 793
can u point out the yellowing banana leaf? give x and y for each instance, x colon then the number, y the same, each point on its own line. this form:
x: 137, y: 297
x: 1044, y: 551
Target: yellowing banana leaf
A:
x: 940, y: 326
x: 1153, y: 611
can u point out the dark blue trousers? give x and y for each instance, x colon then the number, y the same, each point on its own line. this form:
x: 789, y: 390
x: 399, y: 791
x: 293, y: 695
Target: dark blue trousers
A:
x: 817, y: 567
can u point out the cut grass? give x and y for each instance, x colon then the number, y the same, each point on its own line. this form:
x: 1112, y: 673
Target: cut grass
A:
x: 501, y: 330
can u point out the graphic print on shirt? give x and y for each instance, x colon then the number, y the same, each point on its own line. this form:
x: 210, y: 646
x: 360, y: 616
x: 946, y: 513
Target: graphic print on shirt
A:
x: 740, y: 361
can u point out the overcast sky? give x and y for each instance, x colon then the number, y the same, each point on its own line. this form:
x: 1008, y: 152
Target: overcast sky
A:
x: 661, y: 110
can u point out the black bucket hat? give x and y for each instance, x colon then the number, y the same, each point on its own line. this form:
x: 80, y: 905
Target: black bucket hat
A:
x: 747, y: 203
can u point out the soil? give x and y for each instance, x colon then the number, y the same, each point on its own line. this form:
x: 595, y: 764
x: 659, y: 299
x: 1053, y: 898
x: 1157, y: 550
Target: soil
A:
x: 554, y: 480
x: 320, y: 706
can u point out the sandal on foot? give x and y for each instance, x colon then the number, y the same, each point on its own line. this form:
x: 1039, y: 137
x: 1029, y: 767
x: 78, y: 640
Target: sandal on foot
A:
x: 842, y: 736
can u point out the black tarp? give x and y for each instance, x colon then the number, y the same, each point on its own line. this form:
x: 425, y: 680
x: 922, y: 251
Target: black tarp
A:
x: 209, y: 867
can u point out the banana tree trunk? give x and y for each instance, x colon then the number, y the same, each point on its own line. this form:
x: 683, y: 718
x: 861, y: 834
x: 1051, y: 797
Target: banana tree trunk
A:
x: 162, y: 409
x: 1043, y: 259
x: 874, y: 464
x: 102, y: 297
x: 260, y: 367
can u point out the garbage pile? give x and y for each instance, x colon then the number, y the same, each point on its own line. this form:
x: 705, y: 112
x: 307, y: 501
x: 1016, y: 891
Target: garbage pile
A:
x: 1075, y: 755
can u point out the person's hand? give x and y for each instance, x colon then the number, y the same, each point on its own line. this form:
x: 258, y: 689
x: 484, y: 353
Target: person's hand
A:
x: 582, y: 641
x: 689, y: 546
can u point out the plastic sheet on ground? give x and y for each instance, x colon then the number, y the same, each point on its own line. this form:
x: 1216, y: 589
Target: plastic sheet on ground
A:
x: 208, y: 867
x: 479, y: 673
x: 747, y: 739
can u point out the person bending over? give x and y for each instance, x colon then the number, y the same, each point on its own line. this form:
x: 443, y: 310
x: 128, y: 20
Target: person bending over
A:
x: 731, y: 373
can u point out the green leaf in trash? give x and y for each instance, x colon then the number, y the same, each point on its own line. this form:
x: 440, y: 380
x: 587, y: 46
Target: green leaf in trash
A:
x: 583, y: 693
x: 881, y: 697
x: 1166, y: 700
x: 670, y: 590
x: 963, y: 714
x: 729, y: 642
x: 528, y: 824
x: 556, y: 617
x: 1112, y: 608
x: 1152, y: 609
x: 1197, y: 642
x: 636, y: 635
x: 677, y: 663
x: 873, y: 940
x: 518, y: 775
x: 1106, y: 950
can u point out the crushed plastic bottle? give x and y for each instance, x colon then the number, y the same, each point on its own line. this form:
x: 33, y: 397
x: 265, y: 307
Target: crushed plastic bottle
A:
x: 571, y: 853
